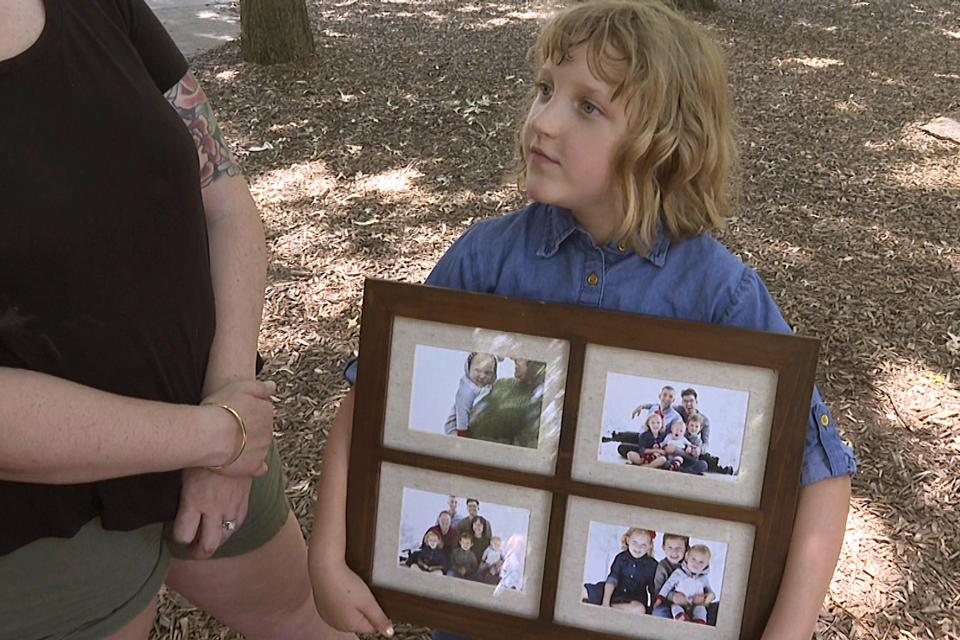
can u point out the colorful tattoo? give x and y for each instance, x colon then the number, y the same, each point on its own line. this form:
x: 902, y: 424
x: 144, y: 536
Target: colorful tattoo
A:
x: 188, y: 99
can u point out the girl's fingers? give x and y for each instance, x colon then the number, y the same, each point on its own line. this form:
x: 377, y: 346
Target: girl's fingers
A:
x: 381, y: 623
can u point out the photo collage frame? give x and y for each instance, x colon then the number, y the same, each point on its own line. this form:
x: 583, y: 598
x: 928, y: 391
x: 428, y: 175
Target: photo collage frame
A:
x: 560, y: 470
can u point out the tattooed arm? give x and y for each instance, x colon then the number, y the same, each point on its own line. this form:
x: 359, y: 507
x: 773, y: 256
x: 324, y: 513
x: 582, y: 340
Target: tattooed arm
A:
x: 237, y: 266
x: 237, y: 253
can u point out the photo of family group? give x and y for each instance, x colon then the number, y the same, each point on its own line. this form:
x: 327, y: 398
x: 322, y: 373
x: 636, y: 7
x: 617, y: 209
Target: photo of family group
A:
x: 672, y: 425
x: 479, y: 395
x: 457, y: 537
x: 666, y: 574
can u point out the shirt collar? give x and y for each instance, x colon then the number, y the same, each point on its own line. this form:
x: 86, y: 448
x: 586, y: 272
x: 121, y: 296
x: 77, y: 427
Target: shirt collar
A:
x: 559, y: 225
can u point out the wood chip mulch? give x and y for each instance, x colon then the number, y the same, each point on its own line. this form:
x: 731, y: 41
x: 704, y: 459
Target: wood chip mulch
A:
x: 372, y: 157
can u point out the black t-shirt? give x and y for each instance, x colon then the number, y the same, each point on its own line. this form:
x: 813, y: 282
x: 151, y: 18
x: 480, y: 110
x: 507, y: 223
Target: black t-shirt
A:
x: 104, y: 264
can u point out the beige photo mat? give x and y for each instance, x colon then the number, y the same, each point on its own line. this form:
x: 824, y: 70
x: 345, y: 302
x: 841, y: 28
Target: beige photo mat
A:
x: 572, y: 611
x: 395, y: 478
x: 744, y: 489
x: 409, y: 333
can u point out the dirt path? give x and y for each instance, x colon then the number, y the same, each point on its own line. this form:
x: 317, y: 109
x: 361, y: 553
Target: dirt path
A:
x: 388, y: 144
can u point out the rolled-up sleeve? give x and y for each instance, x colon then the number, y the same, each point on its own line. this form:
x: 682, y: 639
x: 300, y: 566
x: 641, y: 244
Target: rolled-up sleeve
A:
x: 825, y: 454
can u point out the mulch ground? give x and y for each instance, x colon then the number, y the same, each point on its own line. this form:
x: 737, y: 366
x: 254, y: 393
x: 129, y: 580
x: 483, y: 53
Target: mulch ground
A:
x: 370, y: 158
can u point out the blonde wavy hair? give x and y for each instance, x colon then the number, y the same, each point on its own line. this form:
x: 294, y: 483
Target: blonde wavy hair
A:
x: 674, y: 164
x: 632, y: 531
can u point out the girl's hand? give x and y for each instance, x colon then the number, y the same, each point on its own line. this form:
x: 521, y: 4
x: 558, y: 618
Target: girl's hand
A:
x: 207, y: 500
x: 250, y: 399
x: 345, y: 601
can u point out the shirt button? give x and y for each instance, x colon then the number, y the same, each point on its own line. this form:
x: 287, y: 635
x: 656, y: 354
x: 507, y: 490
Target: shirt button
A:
x: 593, y: 279
x: 824, y: 420
x: 622, y: 245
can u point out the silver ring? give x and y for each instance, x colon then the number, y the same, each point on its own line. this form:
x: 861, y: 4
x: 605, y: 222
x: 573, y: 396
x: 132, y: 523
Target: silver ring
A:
x: 228, y: 525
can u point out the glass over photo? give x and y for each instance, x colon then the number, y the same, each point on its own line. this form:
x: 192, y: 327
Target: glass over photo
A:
x: 485, y: 396
x: 458, y: 537
x: 674, y: 426
x: 637, y: 569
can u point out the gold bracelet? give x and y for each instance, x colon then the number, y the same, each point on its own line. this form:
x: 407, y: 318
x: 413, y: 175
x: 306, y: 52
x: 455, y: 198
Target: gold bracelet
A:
x: 243, y: 434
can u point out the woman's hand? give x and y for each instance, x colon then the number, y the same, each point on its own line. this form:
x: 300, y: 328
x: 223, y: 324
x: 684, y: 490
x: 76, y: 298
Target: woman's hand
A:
x: 680, y: 599
x: 207, y: 500
x: 345, y: 601
x: 250, y: 399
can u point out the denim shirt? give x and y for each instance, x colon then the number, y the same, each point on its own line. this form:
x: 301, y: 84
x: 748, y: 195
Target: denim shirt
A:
x: 540, y: 252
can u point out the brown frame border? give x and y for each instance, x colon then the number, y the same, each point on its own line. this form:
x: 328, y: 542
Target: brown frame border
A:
x: 793, y: 357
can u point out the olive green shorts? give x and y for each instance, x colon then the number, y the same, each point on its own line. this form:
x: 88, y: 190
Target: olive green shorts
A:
x: 91, y: 585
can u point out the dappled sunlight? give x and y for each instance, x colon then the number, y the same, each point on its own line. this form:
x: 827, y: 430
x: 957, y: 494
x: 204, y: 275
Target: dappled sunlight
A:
x: 226, y: 76
x: 955, y: 35
x: 812, y: 63
x: 298, y: 181
x: 872, y: 580
x: 293, y: 125
x: 494, y: 23
x: 934, y: 163
x: 395, y: 182
x: 813, y: 25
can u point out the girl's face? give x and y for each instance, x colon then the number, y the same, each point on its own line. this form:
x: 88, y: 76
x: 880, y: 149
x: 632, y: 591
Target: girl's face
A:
x: 478, y: 527
x: 483, y: 369
x: 570, y: 140
x: 638, y: 545
x: 693, y: 427
x: 674, y: 548
x: 432, y: 540
x: 655, y: 423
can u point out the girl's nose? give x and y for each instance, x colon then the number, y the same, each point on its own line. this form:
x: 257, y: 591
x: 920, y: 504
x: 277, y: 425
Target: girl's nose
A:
x: 546, y: 120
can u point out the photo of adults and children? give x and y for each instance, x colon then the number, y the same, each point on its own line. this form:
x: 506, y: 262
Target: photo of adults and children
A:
x: 469, y: 394
x: 459, y: 537
x: 672, y: 426
x: 667, y: 574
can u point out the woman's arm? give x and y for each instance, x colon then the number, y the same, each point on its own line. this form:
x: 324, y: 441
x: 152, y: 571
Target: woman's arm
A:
x: 235, y: 235
x: 237, y: 268
x: 54, y: 431
x: 812, y: 558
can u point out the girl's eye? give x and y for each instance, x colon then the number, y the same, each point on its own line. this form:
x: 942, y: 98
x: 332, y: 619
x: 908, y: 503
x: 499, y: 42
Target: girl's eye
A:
x: 545, y: 89
x: 589, y: 108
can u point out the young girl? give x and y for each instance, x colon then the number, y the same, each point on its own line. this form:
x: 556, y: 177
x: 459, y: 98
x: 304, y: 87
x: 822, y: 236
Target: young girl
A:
x: 647, y: 452
x: 625, y: 153
x: 629, y: 585
x: 433, y: 556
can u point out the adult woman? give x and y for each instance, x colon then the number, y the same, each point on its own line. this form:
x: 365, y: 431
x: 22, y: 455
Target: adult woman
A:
x: 445, y: 531
x: 131, y: 285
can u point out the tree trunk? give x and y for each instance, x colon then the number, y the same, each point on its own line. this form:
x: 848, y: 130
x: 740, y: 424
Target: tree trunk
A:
x: 274, y: 31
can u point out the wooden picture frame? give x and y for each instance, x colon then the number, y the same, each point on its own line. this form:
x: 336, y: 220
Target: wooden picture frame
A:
x: 560, y: 470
